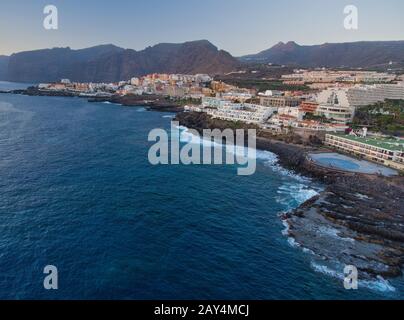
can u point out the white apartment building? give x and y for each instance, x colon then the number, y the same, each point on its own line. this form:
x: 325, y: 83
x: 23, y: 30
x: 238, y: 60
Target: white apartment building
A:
x: 240, y: 96
x: 339, y: 104
x: 334, y: 104
x: 245, y: 112
x: 327, y: 76
x: 367, y: 95
x: 372, y: 76
x: 212, y: 102
x: 389, y: 152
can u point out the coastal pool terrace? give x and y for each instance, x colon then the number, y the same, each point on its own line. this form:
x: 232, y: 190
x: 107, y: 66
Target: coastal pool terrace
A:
x: 336, y: 161
x: 386, y: 151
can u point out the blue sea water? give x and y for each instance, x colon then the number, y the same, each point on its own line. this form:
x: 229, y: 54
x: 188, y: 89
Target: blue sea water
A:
x: 77, y: 191
x: 6, y: 85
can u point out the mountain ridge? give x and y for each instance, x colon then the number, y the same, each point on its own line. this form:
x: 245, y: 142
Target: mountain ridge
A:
x: 3, y: 66
x: 109, y: 63
x: 365, y: 54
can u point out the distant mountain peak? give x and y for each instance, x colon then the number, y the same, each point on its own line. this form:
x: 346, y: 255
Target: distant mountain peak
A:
x: 363, y: 54
x: 290, y: 45
x: 109, y: 63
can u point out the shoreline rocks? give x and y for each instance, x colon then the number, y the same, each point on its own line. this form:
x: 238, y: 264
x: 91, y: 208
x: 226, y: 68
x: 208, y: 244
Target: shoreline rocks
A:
x: 151, y: 102
x: 358, y: 219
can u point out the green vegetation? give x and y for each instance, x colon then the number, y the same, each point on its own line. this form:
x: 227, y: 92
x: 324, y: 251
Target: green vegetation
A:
x: 322, y: 118
x: 386, y: 117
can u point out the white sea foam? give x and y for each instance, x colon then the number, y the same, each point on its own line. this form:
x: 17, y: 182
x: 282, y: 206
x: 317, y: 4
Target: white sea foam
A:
x: 267, y: 157
x: 273, y: 162
x: 168, y: 116
x: 292, y: 194
x: 306, y: 250
x: 286, y: 224
x: 380, y: 284
x: 187, y: 137
x: 326, y: 270
x: 112, y: 103
x: 334, y: 233
x: 293, y: 242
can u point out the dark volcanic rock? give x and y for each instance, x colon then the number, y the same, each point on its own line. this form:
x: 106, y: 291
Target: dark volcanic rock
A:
x: 356, y: 220
x: 151, y: 102
x: 33, y: 91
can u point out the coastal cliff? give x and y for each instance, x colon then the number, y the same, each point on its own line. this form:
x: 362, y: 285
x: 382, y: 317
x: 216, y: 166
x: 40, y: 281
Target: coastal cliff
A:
x: 357, y: 219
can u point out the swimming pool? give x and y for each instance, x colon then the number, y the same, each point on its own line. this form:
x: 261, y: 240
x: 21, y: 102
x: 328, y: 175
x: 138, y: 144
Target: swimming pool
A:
x: 339, y: 163
x: 342, y: 162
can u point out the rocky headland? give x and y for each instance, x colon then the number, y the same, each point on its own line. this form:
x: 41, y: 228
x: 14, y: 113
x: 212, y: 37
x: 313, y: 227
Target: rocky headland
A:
x: 151, y: 102
x: 358, y: 219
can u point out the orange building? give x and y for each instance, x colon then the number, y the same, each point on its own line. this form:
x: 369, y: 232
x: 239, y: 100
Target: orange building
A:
x: 309, y: 107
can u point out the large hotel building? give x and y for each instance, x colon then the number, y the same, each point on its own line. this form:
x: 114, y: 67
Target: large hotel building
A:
x: 339, y: 104
x: 389, y: 152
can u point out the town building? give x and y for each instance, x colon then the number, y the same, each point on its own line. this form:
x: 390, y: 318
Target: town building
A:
x: 279, y: 101
x: 212, y: 102
x: 244, y: 112
x: 291, y: 111
x: 339, y: 104
x: 331, y: 76
x: 308, y: 106
x: 335, y: 108
x: 389, y: 152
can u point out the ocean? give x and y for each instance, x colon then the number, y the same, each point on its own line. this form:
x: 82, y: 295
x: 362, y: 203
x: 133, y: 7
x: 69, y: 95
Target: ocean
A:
x: 77, y: 192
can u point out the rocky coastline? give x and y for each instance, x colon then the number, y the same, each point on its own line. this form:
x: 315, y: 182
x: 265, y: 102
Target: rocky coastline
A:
x: 357, y: 219
x: 151, y: 102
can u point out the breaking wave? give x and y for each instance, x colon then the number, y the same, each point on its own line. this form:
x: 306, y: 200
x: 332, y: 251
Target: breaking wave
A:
x: 380, y: 284
x: 187, y: 137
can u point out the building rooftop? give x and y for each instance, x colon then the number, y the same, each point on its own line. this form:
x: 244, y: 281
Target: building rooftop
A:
x: 391, y: 144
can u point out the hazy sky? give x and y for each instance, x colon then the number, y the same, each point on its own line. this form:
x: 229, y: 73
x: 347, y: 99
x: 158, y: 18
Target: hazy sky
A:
x: 238, y: 26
